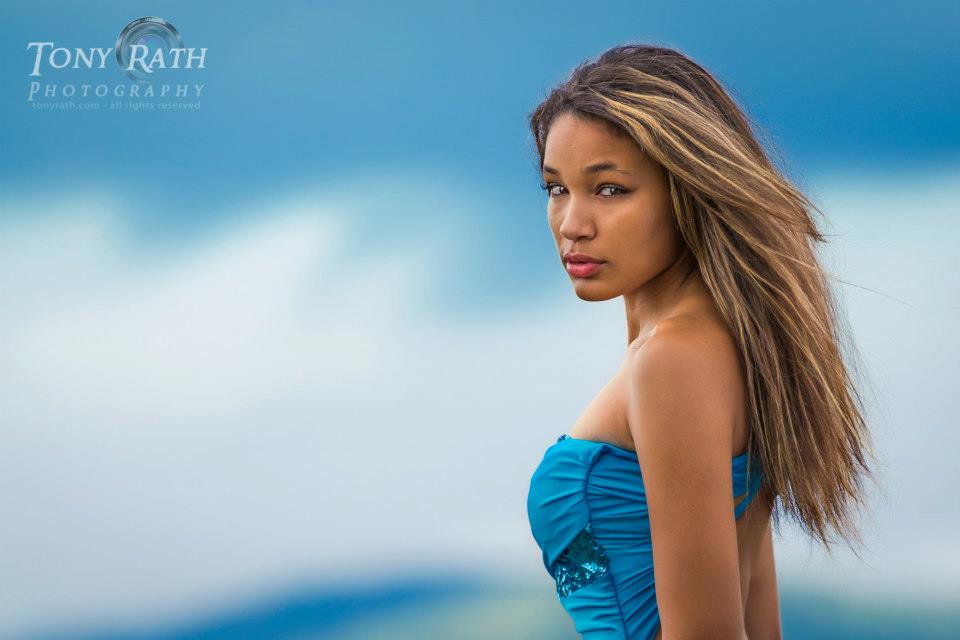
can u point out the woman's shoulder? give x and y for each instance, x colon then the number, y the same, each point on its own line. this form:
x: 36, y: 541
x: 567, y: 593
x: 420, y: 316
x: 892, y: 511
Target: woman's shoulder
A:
x: 692, y: 338
x: 688, y: 369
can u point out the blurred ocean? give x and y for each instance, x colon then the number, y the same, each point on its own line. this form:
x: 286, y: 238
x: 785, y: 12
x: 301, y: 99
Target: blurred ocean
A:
x: 478, y: 610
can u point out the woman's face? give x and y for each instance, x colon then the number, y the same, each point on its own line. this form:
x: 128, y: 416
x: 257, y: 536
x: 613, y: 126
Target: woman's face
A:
x: 610, y: 201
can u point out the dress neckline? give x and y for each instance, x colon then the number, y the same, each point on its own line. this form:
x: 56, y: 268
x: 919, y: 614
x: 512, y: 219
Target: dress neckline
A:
x: 565, y: 436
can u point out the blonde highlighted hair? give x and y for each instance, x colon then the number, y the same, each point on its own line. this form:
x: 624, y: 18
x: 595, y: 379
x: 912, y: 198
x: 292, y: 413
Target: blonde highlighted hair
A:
x: 753, y: 236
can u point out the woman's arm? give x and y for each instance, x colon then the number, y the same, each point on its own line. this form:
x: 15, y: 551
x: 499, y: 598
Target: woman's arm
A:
x: 762, y: 617
x: 683, y: 390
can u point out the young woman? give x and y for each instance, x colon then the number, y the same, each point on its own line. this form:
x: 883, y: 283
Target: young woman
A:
x: 733, y: 391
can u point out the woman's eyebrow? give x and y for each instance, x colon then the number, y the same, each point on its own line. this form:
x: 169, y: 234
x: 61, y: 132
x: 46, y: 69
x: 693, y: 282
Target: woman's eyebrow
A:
x: 596, y: 167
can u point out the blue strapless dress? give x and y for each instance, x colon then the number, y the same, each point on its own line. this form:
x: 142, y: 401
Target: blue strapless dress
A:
x: 588, y: 513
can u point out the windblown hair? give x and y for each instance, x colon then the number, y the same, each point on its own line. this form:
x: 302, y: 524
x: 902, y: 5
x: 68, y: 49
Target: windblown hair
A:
x: 752, y: 235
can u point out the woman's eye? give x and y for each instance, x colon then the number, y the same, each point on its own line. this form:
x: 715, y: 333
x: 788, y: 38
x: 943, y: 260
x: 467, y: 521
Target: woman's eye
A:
x: 549, y: 188
x: 612, y: 186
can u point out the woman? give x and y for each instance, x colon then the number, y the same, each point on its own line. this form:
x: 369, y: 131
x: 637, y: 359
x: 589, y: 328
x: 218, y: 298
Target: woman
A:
x: 733, y: 391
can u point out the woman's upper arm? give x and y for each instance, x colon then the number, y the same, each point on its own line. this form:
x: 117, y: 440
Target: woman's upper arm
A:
x: 682, y: 400
x: 762, y: 617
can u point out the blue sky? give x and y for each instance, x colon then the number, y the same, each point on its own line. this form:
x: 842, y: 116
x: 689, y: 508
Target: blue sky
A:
x: 297, y: 89
x: 223, y: 325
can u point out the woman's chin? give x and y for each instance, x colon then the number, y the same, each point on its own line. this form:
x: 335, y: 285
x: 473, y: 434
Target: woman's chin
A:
x: 593, y: 290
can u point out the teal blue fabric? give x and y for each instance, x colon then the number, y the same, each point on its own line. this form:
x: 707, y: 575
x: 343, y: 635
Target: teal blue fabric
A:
x: 588, y: 514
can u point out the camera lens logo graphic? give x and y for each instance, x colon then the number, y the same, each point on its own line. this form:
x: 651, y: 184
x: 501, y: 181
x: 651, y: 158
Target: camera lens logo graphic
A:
x: 150, y: 32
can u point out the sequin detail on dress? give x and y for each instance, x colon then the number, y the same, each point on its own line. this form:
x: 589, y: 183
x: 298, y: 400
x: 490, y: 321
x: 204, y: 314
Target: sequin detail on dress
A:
x: 582, y: 562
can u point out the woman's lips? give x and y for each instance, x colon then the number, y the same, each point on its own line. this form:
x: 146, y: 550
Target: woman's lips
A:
x: 582, y: 269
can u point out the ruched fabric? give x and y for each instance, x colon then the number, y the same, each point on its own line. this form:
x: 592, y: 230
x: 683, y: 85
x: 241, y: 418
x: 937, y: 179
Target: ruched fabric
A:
x: 587, y: 509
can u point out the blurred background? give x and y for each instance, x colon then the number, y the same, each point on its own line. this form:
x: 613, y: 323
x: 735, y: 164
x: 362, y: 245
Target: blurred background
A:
x: 280, y: 354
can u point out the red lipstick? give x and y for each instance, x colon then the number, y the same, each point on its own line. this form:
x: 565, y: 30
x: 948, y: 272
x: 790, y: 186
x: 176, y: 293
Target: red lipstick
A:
x: 581, y: 265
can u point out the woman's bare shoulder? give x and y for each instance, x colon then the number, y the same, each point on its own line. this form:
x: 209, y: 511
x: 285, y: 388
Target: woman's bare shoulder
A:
x: 701, y: 337
x: 688, y: 364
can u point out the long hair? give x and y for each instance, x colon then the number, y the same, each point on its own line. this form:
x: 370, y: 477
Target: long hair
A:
x: 753, y: 237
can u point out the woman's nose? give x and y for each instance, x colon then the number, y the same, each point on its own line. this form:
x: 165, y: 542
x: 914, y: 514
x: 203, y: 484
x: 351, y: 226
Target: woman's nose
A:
x: 577, y: 222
